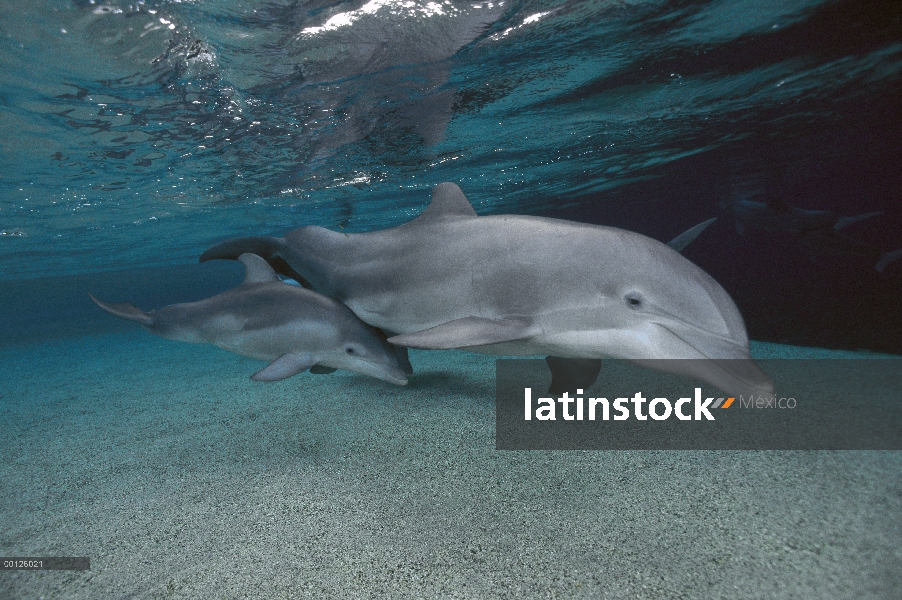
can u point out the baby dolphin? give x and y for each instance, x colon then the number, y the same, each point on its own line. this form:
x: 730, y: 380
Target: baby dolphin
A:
x: 524, y: 285
x: 264, y: 318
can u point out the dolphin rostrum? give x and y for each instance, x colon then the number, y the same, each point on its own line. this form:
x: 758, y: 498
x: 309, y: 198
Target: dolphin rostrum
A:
x: 524, y: 285
x: 263, y: 318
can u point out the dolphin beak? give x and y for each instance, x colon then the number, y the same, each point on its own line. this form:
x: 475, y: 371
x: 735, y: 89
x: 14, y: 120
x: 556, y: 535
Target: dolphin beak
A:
x: 384, y: 371
x: 394, y: 375
x: 737, y: 377
x: 716, y: 360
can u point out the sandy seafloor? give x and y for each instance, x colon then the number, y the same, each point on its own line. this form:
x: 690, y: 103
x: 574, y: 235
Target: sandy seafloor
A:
x: 181, y: 478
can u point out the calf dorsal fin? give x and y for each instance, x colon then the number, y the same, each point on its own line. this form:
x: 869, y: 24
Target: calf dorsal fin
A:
x: 257, y: 270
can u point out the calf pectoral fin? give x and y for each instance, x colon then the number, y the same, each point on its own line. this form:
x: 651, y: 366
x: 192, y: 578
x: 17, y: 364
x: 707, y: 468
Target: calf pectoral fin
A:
x: 285, y: 366
x: 466, y: 332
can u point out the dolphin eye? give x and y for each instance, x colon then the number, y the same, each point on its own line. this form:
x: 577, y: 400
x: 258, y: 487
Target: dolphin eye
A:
x: 355, y: 350
x: 633, y: 300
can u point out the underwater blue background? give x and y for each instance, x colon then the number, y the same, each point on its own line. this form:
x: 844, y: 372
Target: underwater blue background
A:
x: 136, y: 134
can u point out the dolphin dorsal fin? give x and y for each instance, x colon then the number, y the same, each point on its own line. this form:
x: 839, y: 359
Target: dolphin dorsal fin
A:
x: 257, y: 270
x: 688, y: 236
x: 447, y: 201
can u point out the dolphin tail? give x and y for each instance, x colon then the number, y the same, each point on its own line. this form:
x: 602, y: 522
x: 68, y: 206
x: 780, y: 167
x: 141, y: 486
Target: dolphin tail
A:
x: 126, y: 310
x: 887, y: 257
x: 267, y: 248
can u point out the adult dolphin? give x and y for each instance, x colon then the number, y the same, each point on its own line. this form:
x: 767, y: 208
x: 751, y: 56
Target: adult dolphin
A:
x: 266, y: 319
x: 524, y: 285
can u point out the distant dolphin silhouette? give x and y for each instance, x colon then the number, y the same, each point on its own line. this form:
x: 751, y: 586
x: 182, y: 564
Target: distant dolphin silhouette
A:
x: 263, y: 318
x: 522, y: 285
x: 828, y: 241
x: 819, y: 230
x: 776, y: 215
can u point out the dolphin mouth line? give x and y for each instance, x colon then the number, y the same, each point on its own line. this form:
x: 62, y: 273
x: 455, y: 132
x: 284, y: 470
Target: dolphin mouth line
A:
x: 389, y: 373
x: 395, y: 380
x: 739, y: 347
x: 707, y: 332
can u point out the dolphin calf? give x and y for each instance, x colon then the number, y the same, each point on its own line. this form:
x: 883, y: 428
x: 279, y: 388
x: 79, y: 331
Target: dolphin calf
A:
x: 263, y: 318
x: 524, y: 285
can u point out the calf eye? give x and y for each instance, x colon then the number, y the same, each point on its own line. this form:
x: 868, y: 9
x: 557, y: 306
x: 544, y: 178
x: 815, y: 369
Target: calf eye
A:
x: 633, y: 300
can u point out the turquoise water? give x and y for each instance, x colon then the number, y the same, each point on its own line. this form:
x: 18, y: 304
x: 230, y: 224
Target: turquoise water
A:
x: 137, y: 134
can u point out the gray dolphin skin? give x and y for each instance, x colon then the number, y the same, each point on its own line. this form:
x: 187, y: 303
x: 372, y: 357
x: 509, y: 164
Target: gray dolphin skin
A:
x: 264, y: 318
x: 522, y: 285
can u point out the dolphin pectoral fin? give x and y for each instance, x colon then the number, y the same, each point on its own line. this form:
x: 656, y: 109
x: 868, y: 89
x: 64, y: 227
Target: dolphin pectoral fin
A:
x: 400, y: 353
x: 466, y: 332
x: 321, y: 370
x: 285, y: 366
x: 740, y: 227
x: 403, y: 360
x: 688, y: 236
x: 126, y: 310
x: 571, y: 374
